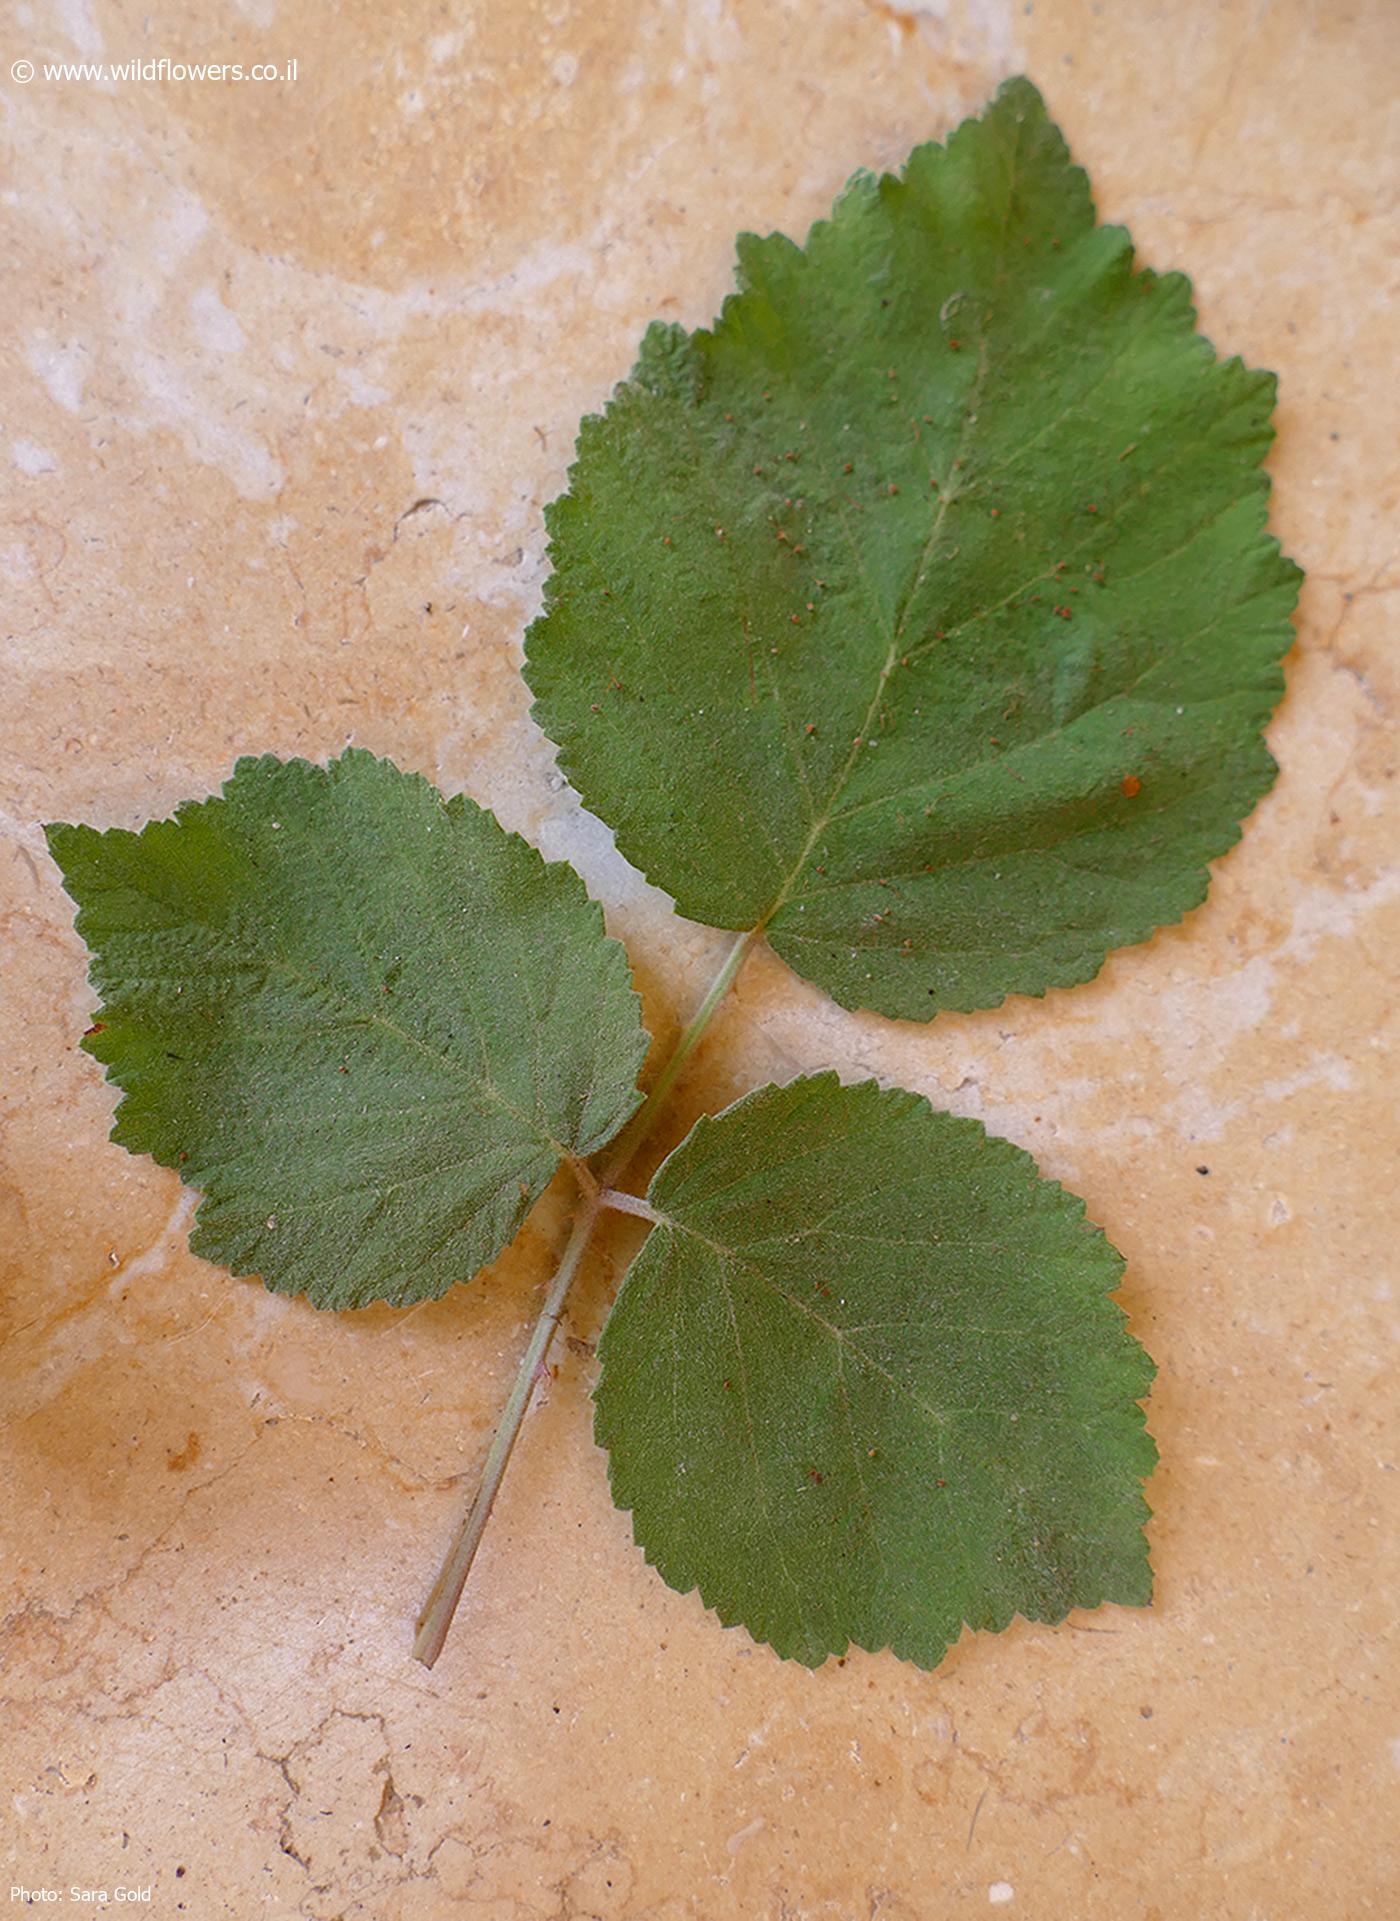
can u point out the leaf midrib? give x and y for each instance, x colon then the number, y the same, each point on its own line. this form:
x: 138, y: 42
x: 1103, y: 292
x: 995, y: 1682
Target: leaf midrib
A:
x: 823, y: 820
x: 841, y: 1336
x: 946, y: 496
x: 352, y: 1012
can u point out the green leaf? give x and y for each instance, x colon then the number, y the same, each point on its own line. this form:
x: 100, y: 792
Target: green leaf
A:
x: 864, y: 1382
x: 921, y: 613
x: 364, y: 1020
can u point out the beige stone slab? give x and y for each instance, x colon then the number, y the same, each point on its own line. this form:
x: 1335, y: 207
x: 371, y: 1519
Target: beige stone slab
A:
x: 288, y: 371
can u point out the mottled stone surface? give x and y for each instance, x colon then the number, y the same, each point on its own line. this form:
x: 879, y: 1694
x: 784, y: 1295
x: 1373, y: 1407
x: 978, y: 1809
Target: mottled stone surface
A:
x: 288, y: 370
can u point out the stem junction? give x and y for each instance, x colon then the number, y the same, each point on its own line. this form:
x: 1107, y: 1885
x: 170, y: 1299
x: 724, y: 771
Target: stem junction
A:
x: 596, y: 1191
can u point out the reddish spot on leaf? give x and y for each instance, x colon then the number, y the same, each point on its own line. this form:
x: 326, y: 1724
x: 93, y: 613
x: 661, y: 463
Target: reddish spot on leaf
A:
x: 1132, y: 786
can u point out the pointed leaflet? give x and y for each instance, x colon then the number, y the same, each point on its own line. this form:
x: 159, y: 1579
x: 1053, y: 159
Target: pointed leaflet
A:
x: 922, y: 612
x: 364, y: 1020
x: 864, y: 1383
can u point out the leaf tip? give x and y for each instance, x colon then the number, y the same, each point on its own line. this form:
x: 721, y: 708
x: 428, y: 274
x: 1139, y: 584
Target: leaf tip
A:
x: 1020, y: 93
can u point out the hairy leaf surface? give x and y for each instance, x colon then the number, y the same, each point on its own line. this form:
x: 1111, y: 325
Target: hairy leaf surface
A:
x: 864, y: 1383
x: 921, y: 612
x: 364, y: 1020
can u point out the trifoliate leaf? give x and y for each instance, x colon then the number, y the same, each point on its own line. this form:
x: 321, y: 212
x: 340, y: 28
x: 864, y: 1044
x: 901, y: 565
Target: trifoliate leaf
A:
x: 364, y: 1020
x: 864, y: 1382
x: 921, y: 612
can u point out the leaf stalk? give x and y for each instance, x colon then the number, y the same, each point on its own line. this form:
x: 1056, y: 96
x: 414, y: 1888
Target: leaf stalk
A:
x: 595, y: 1193
x: 441, y: 1603
x: 630, y: 1141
